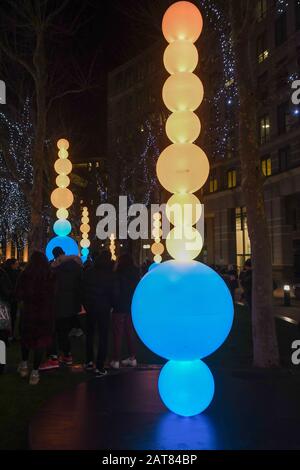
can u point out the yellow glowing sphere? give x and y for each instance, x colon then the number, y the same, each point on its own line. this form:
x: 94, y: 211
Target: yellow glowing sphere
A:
x: 182, y: 20
x: 114, y: 258
x: 63, y: 144
x: 181, y: 56
x: 157, y: 232
x: 62, y: 181
x: 183, y: 92
x: 85, y: 228
x: 85, y: 243
x: 183, y: 127
x: 157, y: 240
x: 84, y: 208
x: 184, y: 243
x: 63, y: 154
x: 85, y: 220
x: 157, y: 259
x: 62, y: 198
x: 62, y: 214
x: 157, y: 216
x: 183, y: 209
x: 157, y: 248
x: 182, y: 168
x: 85, y: 236
x: 157, y: 223
x: 63, y: 167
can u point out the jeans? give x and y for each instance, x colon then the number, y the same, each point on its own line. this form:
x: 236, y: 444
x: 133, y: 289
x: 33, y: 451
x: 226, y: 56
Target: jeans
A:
x: 97, y: 324
x: 123, y: 322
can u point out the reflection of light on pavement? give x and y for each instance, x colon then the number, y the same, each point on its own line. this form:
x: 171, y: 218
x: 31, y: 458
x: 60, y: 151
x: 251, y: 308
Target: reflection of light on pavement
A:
x: 287, y: 319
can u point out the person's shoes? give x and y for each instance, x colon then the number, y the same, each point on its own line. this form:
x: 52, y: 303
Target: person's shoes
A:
x: 100, y: 373
x: 73, y: 332
x: 79, y: 333
x: 114, y: 365
x: 66, y: 360
x: 23, y: 370
x: 49, y: 365
x: 129, y: 362
x: 34, y: 377
x: 89, y: 367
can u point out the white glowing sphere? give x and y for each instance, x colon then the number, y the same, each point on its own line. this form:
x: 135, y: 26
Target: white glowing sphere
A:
x: 181, y: 56
x: 184, y: 243
x: 183, y: 209
x: 183, y: 127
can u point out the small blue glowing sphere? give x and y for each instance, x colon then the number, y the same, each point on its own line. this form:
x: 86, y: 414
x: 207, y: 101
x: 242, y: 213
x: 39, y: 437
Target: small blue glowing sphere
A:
x: 182, y: 311
x: 62, y: 228
x: 85, y: 252
x: 186, y: 388
x: 68, y: 245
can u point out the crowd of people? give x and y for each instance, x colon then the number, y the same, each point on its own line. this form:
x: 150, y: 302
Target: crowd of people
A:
x: 51, y: 296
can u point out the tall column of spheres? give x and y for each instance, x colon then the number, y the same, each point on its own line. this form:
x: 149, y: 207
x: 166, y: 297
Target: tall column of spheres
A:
x: 62, y: 198
x: 85, y: 229
x: 112, y: 247
x: 195, y: 311
x: 157, y: 247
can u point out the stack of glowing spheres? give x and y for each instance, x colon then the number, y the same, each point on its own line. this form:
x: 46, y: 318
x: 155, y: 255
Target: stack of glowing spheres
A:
x: 85, y: 229
x: 195, y: 312
x: 112, y: 247
x: 157, y: 248
x: 62, y: 198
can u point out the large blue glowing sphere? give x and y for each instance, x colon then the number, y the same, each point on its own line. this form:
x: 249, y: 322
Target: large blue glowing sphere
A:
x: 186, y: 388
x: 62, y: 228
x: 68, y: 245
x: 182, y: 311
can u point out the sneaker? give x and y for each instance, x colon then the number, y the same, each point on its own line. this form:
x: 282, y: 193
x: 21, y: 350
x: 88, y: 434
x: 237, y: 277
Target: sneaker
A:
x: 114, y: 365
x: 49, y: 365
x: 129, y: 362
x: 79, y: 333
x: 89, y: 367
x: 73, y: 332
x: 100, y: 373
x: 34, y: 377
x: 67, y: 360
x: 23, y: 370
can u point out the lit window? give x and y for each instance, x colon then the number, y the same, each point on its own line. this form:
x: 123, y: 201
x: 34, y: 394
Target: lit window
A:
x: 264, y: 129
x: 262, y: 50
x: 266, y: 166
x: 231, y: 179
x: 229, y: 83
x: 261, y: 9
x: 243, y: 247
x: 213, y: 185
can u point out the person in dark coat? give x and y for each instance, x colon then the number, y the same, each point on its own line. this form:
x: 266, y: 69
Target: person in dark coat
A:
x: 67, y: 303
x: 98, y: 301
x: 6, y: 290
x: 11, y: 267
x: 35, y: 290
x: 126, y: 279
x: 246, y: 282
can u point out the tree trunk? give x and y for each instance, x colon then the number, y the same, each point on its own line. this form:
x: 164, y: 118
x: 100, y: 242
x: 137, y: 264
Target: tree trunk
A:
x: 265, y: 346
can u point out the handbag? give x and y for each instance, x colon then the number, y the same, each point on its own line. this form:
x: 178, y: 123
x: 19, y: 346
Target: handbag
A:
x: 5, y: 320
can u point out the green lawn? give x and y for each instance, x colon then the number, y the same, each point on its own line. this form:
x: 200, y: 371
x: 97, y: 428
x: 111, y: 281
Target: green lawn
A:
x: 19, y: 402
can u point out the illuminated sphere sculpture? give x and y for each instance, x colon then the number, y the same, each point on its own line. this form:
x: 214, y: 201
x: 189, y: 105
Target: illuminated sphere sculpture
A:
x: 85, y: 229
x: 194, y: 314
x: 62, y: 198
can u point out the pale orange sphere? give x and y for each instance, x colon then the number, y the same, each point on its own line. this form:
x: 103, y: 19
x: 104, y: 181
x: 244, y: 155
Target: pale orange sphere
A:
x: 62, y: 214
x: 63, y: 154
x: 184, y: 243
x: 63, y: 144
x: 62, y: 198
x: 85, y: 228
x: 85, y: 220
x: 182, y: 20
x: 183, y: 209
x: 63, y: 167
x: 62, y: 181
x: 157, y: 216
x: 85, y: 236
x: 182, y: 168
x: 181, y: 56
x: 183, y: 92
x: 157, y: 248
x: 85, y: 243
x: 183, y: 127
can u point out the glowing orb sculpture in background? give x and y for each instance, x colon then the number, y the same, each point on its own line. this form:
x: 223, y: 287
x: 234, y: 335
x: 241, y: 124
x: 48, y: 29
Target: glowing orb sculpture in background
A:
x: 68, y: 245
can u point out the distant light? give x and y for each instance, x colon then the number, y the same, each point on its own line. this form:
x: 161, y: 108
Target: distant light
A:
x: 229, y: 101
x: 296, y: 112
x: 287, y: 288
x: 146, y: 247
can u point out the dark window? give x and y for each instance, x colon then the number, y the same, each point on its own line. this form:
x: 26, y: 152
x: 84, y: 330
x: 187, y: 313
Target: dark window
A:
x: 261, y: 9
x: 284, y: 157
x: 264, y: 129
x: 297, y: 13
x: 282, y: 117
x: 280, y: 29
x: 262, y: 50
x: 262, y: 86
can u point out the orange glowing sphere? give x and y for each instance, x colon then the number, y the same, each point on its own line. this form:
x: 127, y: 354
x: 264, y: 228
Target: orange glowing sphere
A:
x: 63, y: 144
x: 85, y: 228
x: 63, y: 167
x: 183, y: 92
x: 157, y: 248
x: 62, y: 198
x: 182, y: 168
x: 181, y: 56
x: 182, y: 20
x: 183, y: 127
